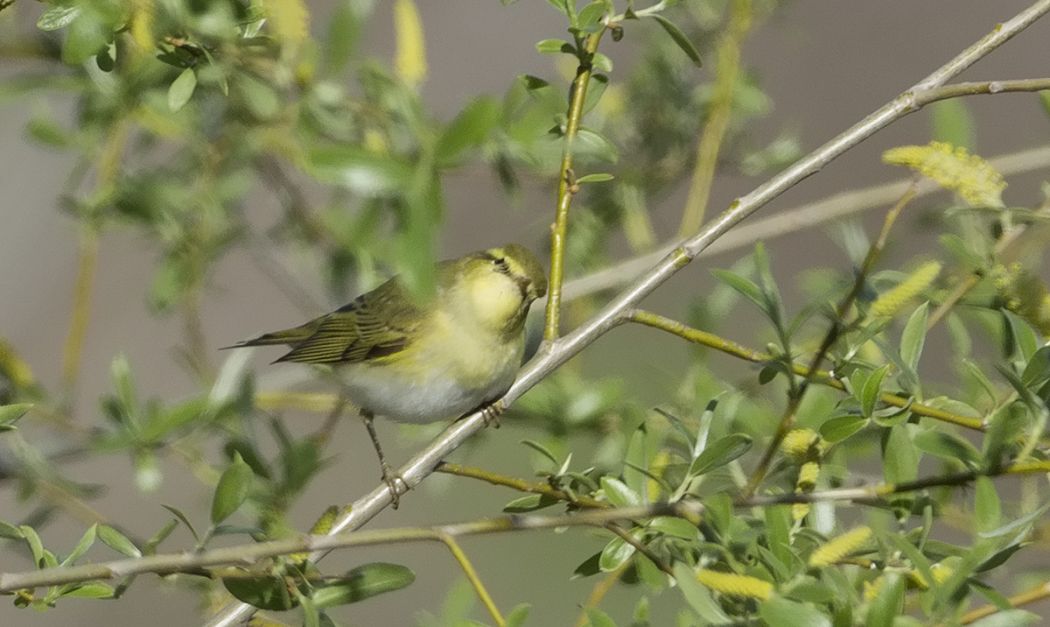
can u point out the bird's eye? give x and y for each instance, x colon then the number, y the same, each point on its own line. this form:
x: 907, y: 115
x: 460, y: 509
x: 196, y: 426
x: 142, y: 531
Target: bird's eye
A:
x: 501, y: 264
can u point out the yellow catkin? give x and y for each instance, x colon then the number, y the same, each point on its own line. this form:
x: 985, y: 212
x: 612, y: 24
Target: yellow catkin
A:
x: 411, y: 63
x: 890, y: 302
x: 807, y: 476
x: 289, y: 20
x: 953, y: 168
x: 871, y: 588
x: 832, y: 551
x: 807, y: 480
x: 801, y: 444
x: 735, y: 585
x: 941, y: 572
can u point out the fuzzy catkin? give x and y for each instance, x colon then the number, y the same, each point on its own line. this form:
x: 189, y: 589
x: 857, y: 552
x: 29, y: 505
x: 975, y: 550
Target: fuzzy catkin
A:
x: 953, y: 168
x: 735, y: 585
x: 832, y: 551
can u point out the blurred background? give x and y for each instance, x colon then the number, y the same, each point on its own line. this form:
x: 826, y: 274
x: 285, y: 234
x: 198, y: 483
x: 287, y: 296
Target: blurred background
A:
x: 820, y: 66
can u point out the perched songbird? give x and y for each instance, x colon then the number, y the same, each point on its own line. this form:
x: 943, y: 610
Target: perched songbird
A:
x: 426, y: 362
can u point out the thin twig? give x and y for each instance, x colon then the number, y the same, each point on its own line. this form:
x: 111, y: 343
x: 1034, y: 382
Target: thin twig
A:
x: 822, y: 377
x: 1037, y: 593
x: 598, y: 592
x: 519, y: 484
x: 564, y: 348
x: 793, y: 220
x: 567, y: 184
x: 87, y: 264
x: 248, y: 554
x: 963, y: 288
x: 719, y: 114
x: 473, y: 578
x: 787, y: 421
x: 624, y: 535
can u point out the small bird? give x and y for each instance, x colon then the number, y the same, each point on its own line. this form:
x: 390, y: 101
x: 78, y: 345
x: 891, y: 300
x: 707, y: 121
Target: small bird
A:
x: 438, y: 360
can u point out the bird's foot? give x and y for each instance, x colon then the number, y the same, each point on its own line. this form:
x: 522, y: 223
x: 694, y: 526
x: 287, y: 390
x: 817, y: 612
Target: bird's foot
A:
x: 491, y: 413
x: 391, y: 479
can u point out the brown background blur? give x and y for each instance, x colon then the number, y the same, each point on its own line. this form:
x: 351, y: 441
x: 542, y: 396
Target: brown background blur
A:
x: 824, y: 64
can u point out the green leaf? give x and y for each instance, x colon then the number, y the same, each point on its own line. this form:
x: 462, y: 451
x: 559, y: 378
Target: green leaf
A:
x: 362, y: 171
x: 555, y: 46
x: 698, y: 597
x: 162, y: 534
x: 869, y: 394
x: 82, y: 546
x: 780, y: 612
x: 914, y: 336
x: 778, y: 534
x: 232, y: 491
x: 529, y: 503
x: 1008, y: 618
x: 598, y: 618
x: 720, y: 452
x: 679, y: 38
x: 9, y: 414
x: 1004, y: 428
x: 745, y: 286
x: 181, y: 89
x: 182, y: 517
x: 1022, y: 336
x: 516, y: 617
x: 1016, y: 526
x: 888, y: 603
x: 1035, y: 374
x: 948, y: 446
x: 590, y: 16
x: 675, y: 527
x: 118, y: 541
x: 842, y: 427
x: 595, y: 178
x: 58, y: 17
x: 265, y: 592
x: 86, y: 37
x: 900, y: 458
x: 9, y: 531
x: 36, y: 547
x: 615, y: 553
x: 594, y: 144
x: 90, y: 590
x: 469, y: 129
x: 311, y: 617
x: 953, y: 123
x: 365, y: 581
x: 259, y: 97
x: 542, y: 450
x: 986, y: 506
x: 618, y: 493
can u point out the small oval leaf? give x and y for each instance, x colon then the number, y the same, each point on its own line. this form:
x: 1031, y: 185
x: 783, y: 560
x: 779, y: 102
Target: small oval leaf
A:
x: 232, y: 490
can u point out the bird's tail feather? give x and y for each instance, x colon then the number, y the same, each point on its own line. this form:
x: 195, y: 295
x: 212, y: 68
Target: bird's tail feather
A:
x: 284, y: 336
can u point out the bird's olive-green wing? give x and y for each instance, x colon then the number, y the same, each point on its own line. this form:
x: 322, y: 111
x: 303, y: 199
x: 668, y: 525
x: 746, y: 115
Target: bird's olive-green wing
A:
x: 378, y: 324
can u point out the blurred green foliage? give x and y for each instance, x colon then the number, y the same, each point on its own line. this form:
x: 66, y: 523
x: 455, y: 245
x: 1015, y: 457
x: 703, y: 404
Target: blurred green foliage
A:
x: 185, y: 108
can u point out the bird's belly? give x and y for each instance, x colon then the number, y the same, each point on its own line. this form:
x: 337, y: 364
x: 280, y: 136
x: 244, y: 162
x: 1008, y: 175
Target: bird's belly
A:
x: 421, y: 393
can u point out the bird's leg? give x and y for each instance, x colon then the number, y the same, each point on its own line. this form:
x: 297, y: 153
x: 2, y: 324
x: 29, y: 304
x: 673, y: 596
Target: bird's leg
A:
x: 491, y: 413
x: 390, y: 478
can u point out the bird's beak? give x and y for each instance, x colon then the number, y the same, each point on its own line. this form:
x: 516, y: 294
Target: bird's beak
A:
x: 528, y: 294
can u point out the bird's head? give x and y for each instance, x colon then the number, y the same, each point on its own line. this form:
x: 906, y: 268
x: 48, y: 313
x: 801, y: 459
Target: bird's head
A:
x: 500, y: 284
